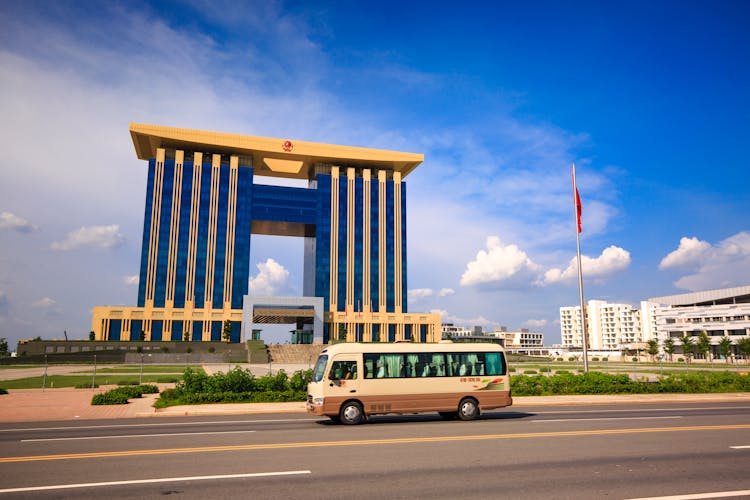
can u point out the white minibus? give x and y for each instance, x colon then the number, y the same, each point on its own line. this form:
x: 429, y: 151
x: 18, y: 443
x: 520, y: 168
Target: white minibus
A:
x: 352, y: 381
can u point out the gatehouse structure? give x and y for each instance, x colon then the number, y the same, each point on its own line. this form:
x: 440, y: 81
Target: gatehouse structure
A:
x: 202, y: 208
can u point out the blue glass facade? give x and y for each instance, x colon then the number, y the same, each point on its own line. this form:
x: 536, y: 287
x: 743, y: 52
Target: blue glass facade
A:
x: 309, y: 208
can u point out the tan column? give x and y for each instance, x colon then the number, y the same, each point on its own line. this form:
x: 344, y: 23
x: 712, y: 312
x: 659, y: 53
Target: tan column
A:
x: 234, y: 162
x: 381, y: 242
x: 397, y: 247
x: 366, y: 240
x: 350, y: 221
x: 174, y: 228
x: 213, y: 216
x: 333, y: 283
x: 153, y: 239
x: 192, y: 250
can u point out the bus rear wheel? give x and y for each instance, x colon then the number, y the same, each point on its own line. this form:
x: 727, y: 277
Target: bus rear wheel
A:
x: 351, y: 413
x: 468, y: 409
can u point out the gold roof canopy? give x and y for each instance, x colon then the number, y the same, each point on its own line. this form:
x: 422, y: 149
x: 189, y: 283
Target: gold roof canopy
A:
x: 271, y: 157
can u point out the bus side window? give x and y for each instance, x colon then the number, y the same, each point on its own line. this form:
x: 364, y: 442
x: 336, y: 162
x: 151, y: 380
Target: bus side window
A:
x: 494, y: 363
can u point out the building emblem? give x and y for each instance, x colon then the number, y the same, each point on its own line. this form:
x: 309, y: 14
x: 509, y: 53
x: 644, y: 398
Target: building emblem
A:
x: 288, y: 146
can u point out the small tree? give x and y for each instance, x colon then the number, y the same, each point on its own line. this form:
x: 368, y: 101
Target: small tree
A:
x: 669, y: 347
x: 687, y: 346
x: 653, y: 348
x: 142, y: 336
x: 3, y: 347
x: 703, y: 346
x: 186, y: 336
x: 743, y: 346
x: 92, y: 336
x: 725, y: 348
x: 226, y: 332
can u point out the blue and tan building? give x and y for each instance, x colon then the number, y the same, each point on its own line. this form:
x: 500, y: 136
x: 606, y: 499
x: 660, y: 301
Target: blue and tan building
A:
x: 203, y: 206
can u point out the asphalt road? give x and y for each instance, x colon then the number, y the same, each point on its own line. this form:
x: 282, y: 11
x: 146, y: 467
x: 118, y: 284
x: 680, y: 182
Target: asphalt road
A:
x: 617, y: 451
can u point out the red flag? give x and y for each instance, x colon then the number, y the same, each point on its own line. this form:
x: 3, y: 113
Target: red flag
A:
x: 577, y: 200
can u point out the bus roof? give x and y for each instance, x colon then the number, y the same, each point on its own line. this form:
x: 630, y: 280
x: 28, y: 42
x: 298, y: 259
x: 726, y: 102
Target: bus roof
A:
x: 406, y: 347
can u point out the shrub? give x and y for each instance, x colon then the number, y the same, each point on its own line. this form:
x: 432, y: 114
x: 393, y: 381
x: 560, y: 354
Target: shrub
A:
x: 512, y: 369
x: 3, y: 391
x: 212, y: 349
x: 529, y: 372
x: 594, y: 359
x: 559, y: 359
x: 235, y: 386
x: 121, y: 395
x: 126, y: 382
x: 86, y: 385
x: 572, y: 358
x: 544, y: 369
x: 110, y: 398
x: 635, y: 360
x: 167, y: 380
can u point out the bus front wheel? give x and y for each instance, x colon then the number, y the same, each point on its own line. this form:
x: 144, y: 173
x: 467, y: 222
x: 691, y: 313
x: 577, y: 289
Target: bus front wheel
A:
x: 468, y: 409
x: 351, y: 413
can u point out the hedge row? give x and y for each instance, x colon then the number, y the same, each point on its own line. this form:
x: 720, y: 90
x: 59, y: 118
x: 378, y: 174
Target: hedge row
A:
x: 236, y: 386
x: 605, y: 383
x: 121, y: 395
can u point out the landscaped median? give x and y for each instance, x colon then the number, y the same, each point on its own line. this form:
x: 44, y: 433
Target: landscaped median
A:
x: 241, y: 386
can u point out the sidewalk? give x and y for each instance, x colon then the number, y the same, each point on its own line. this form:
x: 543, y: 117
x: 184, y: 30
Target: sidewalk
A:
x: 36, y: 405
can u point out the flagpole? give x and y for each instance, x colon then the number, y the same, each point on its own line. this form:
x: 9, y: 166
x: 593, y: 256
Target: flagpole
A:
x: 577, y: 210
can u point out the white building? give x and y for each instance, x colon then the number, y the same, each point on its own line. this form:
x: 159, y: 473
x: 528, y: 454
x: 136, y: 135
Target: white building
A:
x: 610, y: 326
x: 720, y: 313
x: 523, y: 338
x: 451, y: 331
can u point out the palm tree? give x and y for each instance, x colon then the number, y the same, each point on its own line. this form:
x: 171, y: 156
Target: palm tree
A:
x: 687, y: 346
x: 653, y: 348
x: 725, y: 347
x: 743, y: 346
x: 703, y: 346
x: 669, y: 347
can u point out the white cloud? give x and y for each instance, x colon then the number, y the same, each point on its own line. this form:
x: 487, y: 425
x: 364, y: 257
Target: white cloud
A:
x: 691, y: 251
x: 45, y: 303
x: 466, y: 322
x: 131, y: 280
x: 611, y: 261
x: 725, y: 264
x: 106, y: 237
x: 15, y: 223
x: 500, y: 264
x: 272, y: 278
x: 535, y: 323
x: 420, y: 293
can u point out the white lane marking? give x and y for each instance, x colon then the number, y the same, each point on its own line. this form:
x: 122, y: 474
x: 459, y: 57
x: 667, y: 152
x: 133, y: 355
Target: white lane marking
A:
x: 740, y: 447
x: 116, y: 426
x: 603, y: 419
x: 158, y: 480
x: 643, y: 410
x: 134, y: 436
x: 696, y: 496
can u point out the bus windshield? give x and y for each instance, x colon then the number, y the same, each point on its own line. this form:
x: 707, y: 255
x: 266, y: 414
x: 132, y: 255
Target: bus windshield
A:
x: 320, y: 368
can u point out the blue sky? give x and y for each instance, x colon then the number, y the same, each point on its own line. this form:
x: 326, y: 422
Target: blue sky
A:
x: 649, y: 99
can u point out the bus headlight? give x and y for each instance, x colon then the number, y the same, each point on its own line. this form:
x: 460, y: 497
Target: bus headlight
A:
x: 318, y: 401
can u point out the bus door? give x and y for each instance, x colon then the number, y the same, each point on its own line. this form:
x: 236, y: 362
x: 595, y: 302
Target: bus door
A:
x: 343, y: 378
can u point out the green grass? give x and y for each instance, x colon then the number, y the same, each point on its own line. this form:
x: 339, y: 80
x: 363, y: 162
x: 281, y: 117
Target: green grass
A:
x: 58, y: 381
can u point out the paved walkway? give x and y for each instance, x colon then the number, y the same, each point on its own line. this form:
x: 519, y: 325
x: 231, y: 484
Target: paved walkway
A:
x: 35, y: 405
